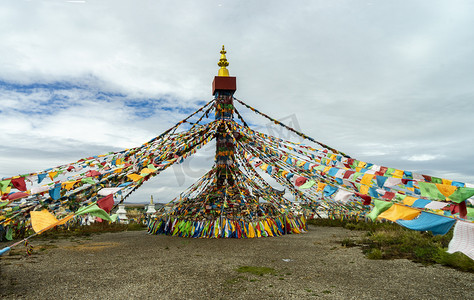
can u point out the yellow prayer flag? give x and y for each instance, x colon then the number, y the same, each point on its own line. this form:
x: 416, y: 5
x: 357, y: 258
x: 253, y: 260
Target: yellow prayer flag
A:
x: 446, y: 190
x: 364, y: 189
x: 251, y: 233
x: 41, y: 220
x: 397, y: 174
x: 320, y: 186
x: 361, y: 164
x: 409, y: 200
x: 397, y: 212
x: 267, y: 228
x: 52, y: 175
x: 68, y: 185
x: 446, y: 181
x: 146, y: 171
x: 367, y: 179
x: 326, y: 169
x: 134, y: 177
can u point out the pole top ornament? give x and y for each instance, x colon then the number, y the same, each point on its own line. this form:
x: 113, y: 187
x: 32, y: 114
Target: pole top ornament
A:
x: 223, y: 63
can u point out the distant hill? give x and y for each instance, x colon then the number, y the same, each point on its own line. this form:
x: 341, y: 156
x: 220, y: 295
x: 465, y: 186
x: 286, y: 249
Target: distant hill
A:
x: 141, y: 204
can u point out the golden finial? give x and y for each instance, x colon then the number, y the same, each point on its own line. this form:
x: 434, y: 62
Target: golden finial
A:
x: 151, y: 199
x: 223, y: 63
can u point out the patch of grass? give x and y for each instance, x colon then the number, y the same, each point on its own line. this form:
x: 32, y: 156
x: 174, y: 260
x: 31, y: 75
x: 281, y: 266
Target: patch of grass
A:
x: 385, y: 240
x: 417, y: 246
x: 374, y: 253
x: 353, y: 224
x: 88, y: 230
x: 260, y: 271
x: 348, y: 242
x: 456, y: 260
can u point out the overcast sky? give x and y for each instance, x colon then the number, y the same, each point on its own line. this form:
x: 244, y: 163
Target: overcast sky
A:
x: 387, y: 82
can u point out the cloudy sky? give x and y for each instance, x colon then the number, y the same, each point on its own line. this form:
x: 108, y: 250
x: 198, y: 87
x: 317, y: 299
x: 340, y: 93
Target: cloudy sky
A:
x: 388, y: 82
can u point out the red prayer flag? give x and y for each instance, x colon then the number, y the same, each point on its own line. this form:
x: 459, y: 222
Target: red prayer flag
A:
x: 300, y: 181
x: 427, y: 178
x: 462, y: 210
x: 388, y: 195
x: 92, y: 173
x: 17, y: 195
x: 367, y: 198
x: 347, y: 174
x: 19, y: 184
x: 106, y: 203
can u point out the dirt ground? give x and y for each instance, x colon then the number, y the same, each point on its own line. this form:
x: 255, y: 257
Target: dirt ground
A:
x: 129, y: 265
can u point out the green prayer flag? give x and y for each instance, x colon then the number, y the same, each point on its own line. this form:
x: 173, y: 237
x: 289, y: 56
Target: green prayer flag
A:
x: 319, y: 168
x: 379, y: 207
x: 4, y: 184
x: 389, y: 171
x: 431, y: 191
x: 461, y: 194
x: 88, y: 180
x: 470, y: 213
x: 95, y: 211
x: 3, y: 203
x: 114, y: 217
x: 9, y: 233
x: 307, y: 184
x: 399, y: 197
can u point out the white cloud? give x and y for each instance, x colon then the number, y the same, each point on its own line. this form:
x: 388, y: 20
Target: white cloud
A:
x: 381, y: 82
x: 422, y: 157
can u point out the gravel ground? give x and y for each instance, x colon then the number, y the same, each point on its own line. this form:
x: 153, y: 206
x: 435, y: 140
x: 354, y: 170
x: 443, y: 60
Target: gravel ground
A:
x: 129, y: 265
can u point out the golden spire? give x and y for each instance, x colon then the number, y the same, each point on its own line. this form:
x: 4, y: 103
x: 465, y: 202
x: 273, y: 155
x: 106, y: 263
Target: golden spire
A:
x: 223, y: 63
